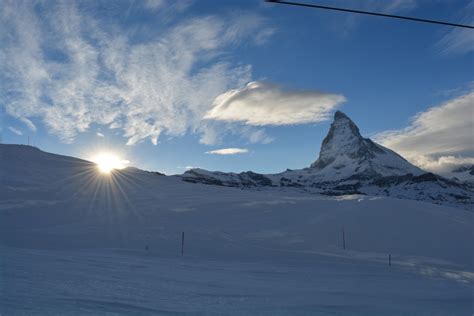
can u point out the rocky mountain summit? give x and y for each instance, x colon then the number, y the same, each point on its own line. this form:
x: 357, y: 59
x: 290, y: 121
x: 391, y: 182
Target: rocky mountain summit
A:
x: 344, y: 153
x: 350, y: 164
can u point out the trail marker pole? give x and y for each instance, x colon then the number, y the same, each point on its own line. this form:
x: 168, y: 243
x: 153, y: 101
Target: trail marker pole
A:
x: 182, y: 243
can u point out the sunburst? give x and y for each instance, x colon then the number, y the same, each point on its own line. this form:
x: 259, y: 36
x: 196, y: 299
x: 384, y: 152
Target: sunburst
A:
x: 106, y: 162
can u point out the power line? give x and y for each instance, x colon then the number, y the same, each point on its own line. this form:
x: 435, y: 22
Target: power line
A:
x: 370, y: 13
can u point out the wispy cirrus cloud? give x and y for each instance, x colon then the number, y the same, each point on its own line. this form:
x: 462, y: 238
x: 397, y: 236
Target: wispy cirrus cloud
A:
x: 69, y: 69
x: 260, y: 103
x: 154, y: 4
x: 454, y: 41
x: 459, y: 40
x: 15, y: 130
x: 167, y: 6
x: 438, y: 139
x: 28, y: 123
x: 228, y: 151
x: 388, y: 6
x: 345, y: 24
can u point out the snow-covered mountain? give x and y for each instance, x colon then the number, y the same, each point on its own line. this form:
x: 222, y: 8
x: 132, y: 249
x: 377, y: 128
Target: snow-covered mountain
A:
x: 464, y: 173
x: 351, y: 164
x: 345, y: 153
x: 76, y: 241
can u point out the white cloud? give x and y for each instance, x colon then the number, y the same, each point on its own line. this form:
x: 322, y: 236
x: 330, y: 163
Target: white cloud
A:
x: 29, y: 124
x: 439, y: 138
x: 260, y: 103
x: 99, y: 134
x: 95, y: 72
x: 188, y: 167
x: 15, y: 130
x: 442, y: 165
x: 228, y: 151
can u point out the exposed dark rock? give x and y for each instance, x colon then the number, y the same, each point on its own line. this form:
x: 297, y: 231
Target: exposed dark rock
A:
x: 259, y: 179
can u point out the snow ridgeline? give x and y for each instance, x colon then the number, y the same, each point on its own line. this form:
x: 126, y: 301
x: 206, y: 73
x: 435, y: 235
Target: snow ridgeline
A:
x: 351, y: 164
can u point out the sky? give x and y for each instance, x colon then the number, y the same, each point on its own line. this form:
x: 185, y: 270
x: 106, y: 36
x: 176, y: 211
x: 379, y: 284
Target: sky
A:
x: 235, y: 85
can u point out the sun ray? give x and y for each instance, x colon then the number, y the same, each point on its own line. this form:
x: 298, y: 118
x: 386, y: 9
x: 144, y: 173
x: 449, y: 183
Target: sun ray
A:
x: 106, y: 162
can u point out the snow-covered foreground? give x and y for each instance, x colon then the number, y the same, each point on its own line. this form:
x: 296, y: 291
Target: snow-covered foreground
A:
x: 73, y: 241
x: 139, y: 282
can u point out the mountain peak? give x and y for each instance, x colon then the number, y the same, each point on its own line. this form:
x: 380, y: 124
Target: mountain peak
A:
x: 342, y: 138
x: 344, y: 152
x: 340, y: 115
x: 342, y: 122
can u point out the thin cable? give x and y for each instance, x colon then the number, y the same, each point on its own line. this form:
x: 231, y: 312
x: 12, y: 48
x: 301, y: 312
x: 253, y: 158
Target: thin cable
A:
x: 370, y: 13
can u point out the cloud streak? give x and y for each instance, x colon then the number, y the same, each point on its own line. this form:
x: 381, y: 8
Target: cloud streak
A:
x: 437, y: 139
x: 458, y: 40
x: 345, y: 25
x: 15, y: 130
x: 228, y: 151
x: 31, y: 126
x: 260, y: 103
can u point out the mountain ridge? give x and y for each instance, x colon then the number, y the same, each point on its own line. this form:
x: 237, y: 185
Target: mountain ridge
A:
x: 345, y: 148
x: 350, y: 164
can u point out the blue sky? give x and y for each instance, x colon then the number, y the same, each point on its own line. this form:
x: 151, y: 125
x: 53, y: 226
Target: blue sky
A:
x: 171, y: 84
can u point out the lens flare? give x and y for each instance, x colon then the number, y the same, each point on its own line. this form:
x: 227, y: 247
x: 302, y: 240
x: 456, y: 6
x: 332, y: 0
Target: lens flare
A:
x: 106, y: 162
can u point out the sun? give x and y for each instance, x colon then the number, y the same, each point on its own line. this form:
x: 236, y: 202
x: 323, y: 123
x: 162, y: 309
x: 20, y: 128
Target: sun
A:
x: 106, y: 162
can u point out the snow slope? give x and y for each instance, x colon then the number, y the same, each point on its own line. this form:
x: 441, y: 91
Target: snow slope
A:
x: 73, y: 242
x: 351, y: 164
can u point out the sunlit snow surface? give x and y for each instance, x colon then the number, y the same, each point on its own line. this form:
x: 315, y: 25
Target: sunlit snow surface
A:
x: 73, y: 241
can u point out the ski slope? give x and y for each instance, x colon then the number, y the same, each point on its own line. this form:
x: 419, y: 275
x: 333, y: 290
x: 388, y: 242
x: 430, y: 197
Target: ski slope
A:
x: 73, y: 242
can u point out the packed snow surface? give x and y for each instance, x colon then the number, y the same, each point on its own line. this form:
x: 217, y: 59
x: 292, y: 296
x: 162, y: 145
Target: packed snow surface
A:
x: 74, y: 241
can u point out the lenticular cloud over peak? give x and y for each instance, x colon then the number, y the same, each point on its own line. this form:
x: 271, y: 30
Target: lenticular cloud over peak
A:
x: 263, y: 103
